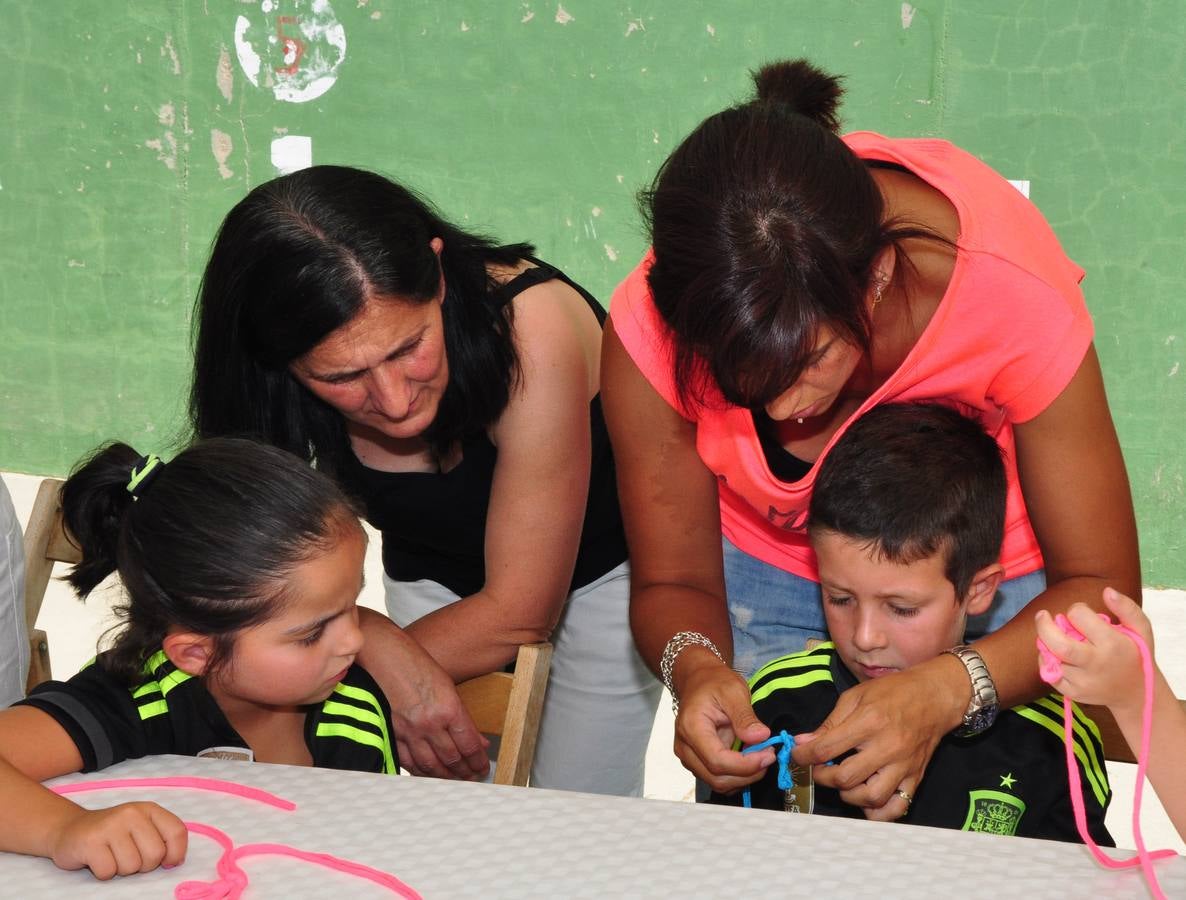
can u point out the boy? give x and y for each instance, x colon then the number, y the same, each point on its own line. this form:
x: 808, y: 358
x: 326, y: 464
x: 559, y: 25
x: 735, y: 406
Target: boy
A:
x: 906, y: 519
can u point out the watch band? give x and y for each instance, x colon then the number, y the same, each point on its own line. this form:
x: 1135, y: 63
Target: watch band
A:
x: 984, y: 706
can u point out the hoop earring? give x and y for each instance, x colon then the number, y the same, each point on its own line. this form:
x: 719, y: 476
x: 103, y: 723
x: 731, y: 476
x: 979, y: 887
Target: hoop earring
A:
x: 878, y: 291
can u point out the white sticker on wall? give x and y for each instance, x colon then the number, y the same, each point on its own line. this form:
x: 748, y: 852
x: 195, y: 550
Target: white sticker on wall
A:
x: 292, y: 153
x: 1022, y: 185
x: 292, y: 48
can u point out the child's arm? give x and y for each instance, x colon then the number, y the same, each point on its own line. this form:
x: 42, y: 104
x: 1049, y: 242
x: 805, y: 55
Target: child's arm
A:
x: 131, y: 837
x: 1105, y: 669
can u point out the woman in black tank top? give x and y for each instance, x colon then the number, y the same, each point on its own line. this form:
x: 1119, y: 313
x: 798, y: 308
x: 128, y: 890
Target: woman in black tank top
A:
x: 451, y: 384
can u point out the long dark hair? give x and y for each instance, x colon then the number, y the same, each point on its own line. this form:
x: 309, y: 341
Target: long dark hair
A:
x: 912, y: 480
x: 765, y: 226
x: 296, y: 259
x: 207, y: 544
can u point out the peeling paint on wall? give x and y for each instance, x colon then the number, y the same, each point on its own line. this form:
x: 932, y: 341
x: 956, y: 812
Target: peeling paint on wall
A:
x: 166, y: 149
x: 224, y: 75
x: 222, y: 147
x: 168, y: 50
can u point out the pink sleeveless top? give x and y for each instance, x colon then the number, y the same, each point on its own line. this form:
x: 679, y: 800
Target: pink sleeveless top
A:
x: 1004, y: 342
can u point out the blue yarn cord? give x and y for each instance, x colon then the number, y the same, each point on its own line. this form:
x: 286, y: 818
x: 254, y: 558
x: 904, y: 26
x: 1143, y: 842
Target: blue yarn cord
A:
x: 785, y: 782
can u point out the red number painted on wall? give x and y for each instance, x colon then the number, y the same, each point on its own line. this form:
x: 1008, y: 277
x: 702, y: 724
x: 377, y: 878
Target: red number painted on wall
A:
x: 293, y: 46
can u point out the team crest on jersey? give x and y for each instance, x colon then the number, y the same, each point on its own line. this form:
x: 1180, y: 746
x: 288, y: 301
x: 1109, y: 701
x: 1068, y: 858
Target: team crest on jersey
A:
x: 993, y: 812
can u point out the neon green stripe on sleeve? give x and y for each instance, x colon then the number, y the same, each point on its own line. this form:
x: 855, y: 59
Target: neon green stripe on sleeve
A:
x: 369, y: 738
x: 790, y: 683
x: 1084, y: 731
x: 157, y: 708
x: 355, y: 693
x: 802, y: 659
x: 1095, y: 777
x: 370, y: 717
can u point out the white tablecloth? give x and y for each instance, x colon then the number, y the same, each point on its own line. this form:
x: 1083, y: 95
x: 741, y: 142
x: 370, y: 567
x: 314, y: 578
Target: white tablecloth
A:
x: 452, y: 840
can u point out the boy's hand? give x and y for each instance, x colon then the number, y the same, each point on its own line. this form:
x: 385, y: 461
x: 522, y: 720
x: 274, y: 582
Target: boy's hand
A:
x: 1105, y: 666
x: 122, y: 840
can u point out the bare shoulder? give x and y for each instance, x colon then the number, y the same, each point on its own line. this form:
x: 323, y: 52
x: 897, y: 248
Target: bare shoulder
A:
x: 554, y: 297
x: 555, y: 327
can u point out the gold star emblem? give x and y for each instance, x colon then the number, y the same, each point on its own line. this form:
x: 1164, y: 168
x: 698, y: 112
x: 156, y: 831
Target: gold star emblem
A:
x: 1007, y: 781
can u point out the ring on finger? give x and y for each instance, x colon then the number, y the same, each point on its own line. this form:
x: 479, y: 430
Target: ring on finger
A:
x: 909, y: 798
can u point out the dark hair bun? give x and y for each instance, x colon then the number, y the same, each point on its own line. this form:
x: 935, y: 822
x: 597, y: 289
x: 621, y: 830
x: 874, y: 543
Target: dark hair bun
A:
x: 809, y: 91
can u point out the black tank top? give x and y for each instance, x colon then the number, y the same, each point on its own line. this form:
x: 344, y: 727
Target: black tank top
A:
x: 434, y: 524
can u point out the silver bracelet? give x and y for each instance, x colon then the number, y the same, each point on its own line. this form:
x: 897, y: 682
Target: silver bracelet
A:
x: 678, y: 644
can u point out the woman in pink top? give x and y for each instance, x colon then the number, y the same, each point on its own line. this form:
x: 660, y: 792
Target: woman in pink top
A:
x: 796, y: 279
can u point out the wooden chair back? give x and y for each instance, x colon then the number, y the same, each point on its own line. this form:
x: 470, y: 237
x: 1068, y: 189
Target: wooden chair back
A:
x: 510, y: 706
x: 46, y: 543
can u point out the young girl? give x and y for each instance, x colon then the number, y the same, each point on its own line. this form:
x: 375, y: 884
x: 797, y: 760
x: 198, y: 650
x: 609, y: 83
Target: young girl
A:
x: 242, y: 566
x: 1105, y: 668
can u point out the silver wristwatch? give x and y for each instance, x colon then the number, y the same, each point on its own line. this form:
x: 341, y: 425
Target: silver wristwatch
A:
x: 982, y: 710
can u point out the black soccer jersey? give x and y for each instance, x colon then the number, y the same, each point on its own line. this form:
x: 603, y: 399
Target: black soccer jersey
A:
x: 1010, y: 779
x: 172, y: 712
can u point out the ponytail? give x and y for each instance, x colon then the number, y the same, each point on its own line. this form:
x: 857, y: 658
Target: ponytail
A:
x: 204, y: 543
x: 94, y: 502
x: 807, y: 90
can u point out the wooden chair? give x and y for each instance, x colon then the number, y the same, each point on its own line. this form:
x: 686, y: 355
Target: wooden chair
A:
x: 46, y: 543
x: 510, y: 706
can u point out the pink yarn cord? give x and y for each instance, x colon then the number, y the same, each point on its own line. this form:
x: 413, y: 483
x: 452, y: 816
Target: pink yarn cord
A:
x: 190, y: 783
x: 1052, y: 671
x: 232, y: 879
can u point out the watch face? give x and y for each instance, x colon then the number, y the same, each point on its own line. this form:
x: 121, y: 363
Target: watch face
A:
x: 980, y: 720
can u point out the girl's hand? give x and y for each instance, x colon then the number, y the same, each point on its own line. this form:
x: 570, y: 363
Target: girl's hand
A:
x: 1105, y: 667
x: 893, y: 724
x: 122, y: 840
x: 714, y: 711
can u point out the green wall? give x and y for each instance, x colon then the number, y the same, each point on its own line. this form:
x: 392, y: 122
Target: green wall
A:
x: 130, y: 127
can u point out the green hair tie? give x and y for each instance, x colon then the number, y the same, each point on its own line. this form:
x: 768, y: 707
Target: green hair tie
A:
x: 144, y: 471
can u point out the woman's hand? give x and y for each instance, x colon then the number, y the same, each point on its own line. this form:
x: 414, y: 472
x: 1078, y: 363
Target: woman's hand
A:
x: 715, y: 711
x: 122, y: 840
x: 1105, y: 667
x: 434, y: 733
x: 893, y: 724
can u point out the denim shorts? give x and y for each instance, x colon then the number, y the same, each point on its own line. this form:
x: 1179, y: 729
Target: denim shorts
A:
x: 775, y: 612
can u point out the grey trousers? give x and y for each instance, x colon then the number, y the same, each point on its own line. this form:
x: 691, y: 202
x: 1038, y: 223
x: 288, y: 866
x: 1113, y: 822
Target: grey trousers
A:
x: 601, y: 699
